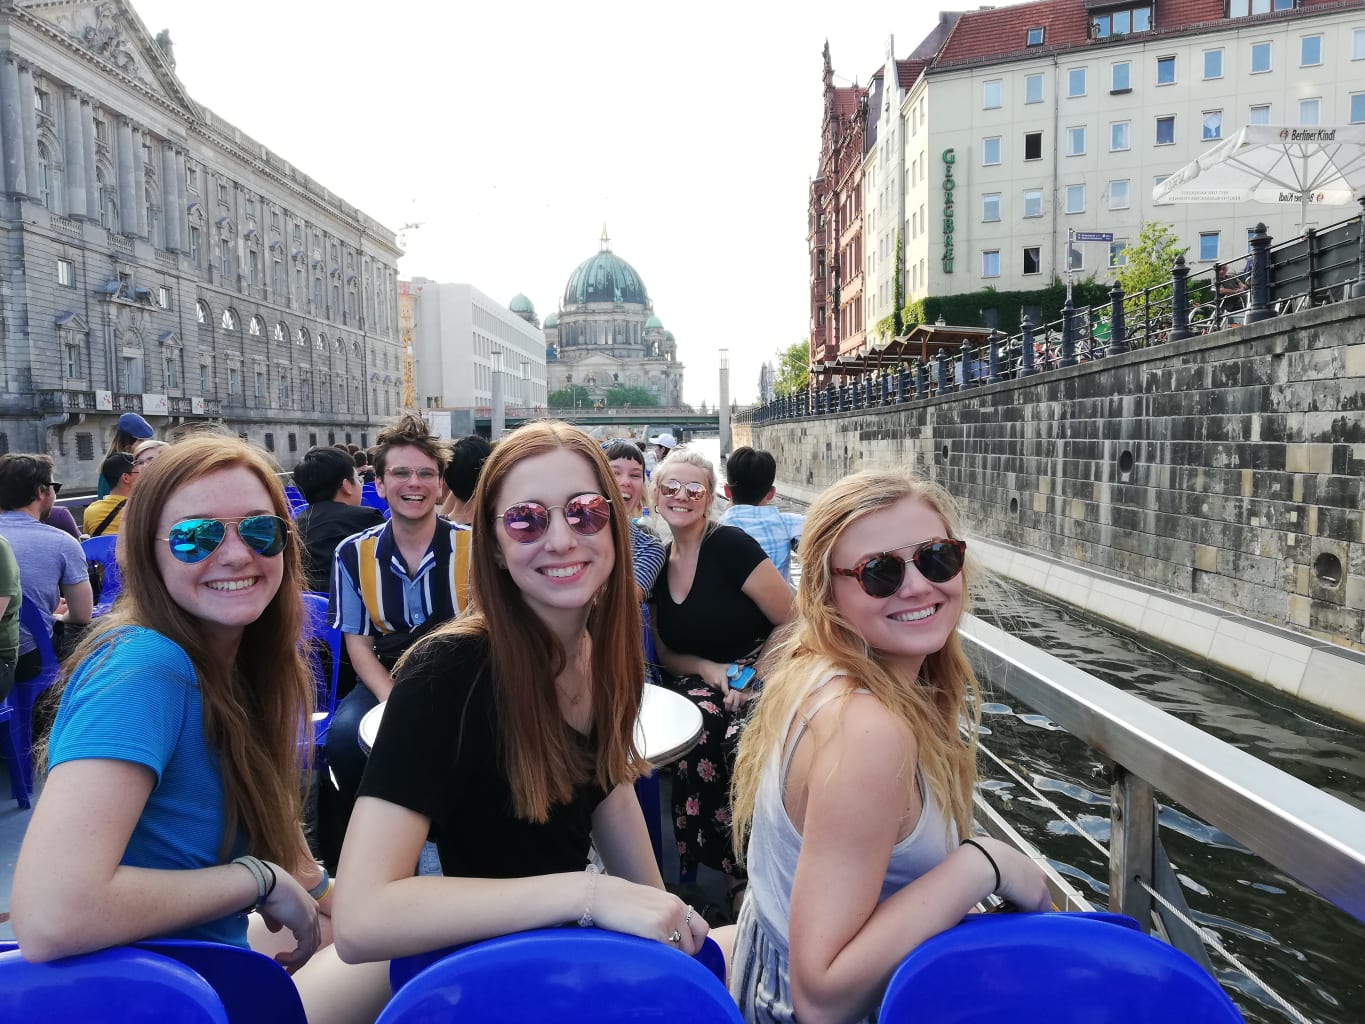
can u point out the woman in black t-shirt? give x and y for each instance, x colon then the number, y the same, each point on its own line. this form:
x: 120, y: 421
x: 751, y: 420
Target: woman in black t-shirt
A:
x: 716, y: 603
x: 509, y: 737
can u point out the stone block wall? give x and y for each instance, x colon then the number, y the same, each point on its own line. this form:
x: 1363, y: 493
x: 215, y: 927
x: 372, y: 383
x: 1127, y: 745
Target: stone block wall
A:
x: 1229, y: 467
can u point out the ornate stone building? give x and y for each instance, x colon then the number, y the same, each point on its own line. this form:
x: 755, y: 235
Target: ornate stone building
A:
x: 606, y: 335
x: 156, y: 259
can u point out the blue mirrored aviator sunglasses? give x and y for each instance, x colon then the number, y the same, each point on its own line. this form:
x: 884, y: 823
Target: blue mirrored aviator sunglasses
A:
x: 193, y: 540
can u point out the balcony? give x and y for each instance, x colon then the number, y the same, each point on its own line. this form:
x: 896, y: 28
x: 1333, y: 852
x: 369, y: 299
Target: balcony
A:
x: 65, y: 224
x: 62, y: 400
x: 120, y: 242
x: 195, y: 406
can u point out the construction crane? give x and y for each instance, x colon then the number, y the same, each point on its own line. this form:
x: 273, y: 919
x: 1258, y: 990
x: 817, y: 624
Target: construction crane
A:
x: 406, y: 298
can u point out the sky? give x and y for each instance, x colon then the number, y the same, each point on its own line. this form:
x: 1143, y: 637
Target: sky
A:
x: 513, y: 132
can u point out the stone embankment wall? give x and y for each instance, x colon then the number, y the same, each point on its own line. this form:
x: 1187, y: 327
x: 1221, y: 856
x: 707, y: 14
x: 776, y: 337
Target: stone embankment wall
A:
x: 1229, y: 467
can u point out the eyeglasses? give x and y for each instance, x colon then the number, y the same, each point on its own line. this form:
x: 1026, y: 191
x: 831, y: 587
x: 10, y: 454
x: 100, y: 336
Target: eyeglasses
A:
x: 692, y: 492
x: 403, y: 474
x: 56, y: 485
x: 528, y: 521
x: 881, y: 575
x: 193, y: 540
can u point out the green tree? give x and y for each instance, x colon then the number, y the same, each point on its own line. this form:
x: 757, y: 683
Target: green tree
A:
x: 898, y: 325
x: 793, y: 370
x: 637, y: 398
x: 570, y: 397
x: 1147, y: 263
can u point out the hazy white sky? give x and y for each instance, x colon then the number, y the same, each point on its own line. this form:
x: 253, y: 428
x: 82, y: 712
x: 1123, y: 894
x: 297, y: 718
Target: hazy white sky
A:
x: 513, y: 131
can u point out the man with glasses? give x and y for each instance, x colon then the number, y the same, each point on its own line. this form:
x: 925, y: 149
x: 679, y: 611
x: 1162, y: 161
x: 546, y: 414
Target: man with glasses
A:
x: 52, y: 567
x: 391, y: 584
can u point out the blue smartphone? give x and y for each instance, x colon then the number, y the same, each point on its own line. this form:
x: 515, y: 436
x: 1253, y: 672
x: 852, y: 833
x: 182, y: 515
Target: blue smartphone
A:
x: 742, y: 678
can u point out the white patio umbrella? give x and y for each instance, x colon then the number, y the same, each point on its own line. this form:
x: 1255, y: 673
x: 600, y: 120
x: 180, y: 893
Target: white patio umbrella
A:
x: 1270, y: 163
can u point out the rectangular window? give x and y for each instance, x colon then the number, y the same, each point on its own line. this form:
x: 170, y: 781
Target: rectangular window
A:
x: 990, y: 263
x: 1165, y: 71
x: 192, y: 177
x: 253, y: 266
x: 1033, y: 145
x: 990, y: 207
x: 1117, y: 252
x: 1119, y: 194
x: 990, y: 151
x: 1357, y: 108
x: 276, y: 277
x: 172, y: 372
x: 1035, y: 35
x: 275, y: 219
x: 298, y: 234
x: 260, y: 384
x: 1120, y: 136
x: 1358, y: 44
x: 225, y: 251
x: 1075, y: 141
x: 1211, y: 126
x: 1165, y: 130
x: 1208, y: 245
x: 42, y: 101
x: 1310, y: 51
x: 1033, y: 202
x: 1213, y: 64
x: 299, y: 293
x: 1310, y: 111
x: 991, y: 94
x: 66, y: 273
x: 163, y: 297
x: 1260, y: 58
x: 1076, y: 257
x: 1121, y: 77
x: 196, y: 250
x: 1075, y: 82
x: 102, y: 131
x: 1075, y: 199
x: 1259, y: 114
x: 71, y: 356
x: 1033, y: 259
x: 223, y: 192
x: 1033, y: 88
x: 205, y: 378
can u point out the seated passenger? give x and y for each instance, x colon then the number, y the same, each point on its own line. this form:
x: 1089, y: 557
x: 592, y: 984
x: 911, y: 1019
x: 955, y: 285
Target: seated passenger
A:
x: 103, y: 515
x: 749, y: 476
x: 172, y: 803
x: 510, y: 734
x: 328, y: 481
x: 467, y: 456
x: 852, y: 779
x: 646, y: 552
x: 147, y: 451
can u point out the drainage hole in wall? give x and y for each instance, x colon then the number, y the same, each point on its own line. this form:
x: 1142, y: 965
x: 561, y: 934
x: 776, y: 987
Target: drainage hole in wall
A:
x: 1327, y: 569
x: 945, y: 453
x: 1125, y: 462
x: 1014, y: 507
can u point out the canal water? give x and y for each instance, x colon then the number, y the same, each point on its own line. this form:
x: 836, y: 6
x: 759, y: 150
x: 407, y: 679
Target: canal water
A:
x: 1306, y: 949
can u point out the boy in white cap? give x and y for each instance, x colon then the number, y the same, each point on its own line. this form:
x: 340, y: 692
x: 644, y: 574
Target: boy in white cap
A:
x: 658, y: 450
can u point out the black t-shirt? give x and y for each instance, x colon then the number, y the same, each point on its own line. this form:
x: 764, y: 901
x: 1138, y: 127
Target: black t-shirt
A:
x: 716, y: 621
x: 321, y: 528
x: 438, y: 753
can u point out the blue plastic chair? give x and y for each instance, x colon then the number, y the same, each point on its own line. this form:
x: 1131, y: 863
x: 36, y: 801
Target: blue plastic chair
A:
x: 1054, y: 968
x: 114, y: 986
x: 101, y: 549
x: 253, y: 988
x: 297, y: 502
x: 565, y: 975
x: 318, y: 629
x: 19, y: 748
x: 369, y: 497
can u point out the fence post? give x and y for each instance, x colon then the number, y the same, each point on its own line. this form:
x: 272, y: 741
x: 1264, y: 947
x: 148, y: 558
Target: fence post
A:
x: 1068, y: 333
x: 1310, y: 237
x: 1132, y: 846
x: 942, y: 373
x: 994, y: 360
x: 966, y: 381
x: 1026, y: 367
x: 900, y: 384
x: 1118, y: 328
x: 1358, y: 289
x: 1180, y: 301
x: 1260, y: 276
x: 921, y: 379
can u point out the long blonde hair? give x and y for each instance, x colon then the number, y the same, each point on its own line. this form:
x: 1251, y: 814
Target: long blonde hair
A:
x: 931, y: 707
x: 542, y: 761
x: 256, y: 710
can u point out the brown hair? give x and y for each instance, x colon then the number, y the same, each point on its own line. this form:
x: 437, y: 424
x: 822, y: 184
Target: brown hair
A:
x: 542, y: 762
x: 255, y: 710
x: 409, y: 430
x: 931, y: 707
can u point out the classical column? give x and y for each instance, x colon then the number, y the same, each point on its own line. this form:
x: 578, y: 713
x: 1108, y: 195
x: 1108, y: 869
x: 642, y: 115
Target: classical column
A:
x: 11, y: 127
x: 29, y: 117
x: 172, y: 211
x: 127, y: 190
x: 141, y: 227
x: 92, y: 188
x: 74, y: 157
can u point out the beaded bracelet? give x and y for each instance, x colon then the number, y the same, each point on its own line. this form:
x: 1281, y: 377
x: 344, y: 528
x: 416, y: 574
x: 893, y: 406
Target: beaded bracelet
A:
x: 586, y: 920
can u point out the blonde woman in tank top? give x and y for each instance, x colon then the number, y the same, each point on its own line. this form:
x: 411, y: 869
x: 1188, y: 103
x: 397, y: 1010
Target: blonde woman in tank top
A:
x: 853, y: 782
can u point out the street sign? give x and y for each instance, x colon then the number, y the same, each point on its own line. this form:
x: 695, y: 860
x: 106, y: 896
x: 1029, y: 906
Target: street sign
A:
x: 1094, y: 236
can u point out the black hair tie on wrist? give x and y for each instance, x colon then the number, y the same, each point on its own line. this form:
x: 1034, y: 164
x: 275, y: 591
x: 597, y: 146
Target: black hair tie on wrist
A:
x: 989, y: 859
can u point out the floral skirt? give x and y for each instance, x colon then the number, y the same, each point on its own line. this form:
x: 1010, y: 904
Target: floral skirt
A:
x: 701, y: 782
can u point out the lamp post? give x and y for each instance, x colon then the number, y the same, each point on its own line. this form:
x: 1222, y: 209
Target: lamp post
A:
x: 525, y: 387
x: 724, y: 410
x: 498, y: 419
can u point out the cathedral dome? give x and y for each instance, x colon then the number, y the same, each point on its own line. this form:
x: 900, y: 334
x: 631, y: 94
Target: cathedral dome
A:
x: 521, y: 304
x: 654, y: 322
x: 552, y: 321
x: 605, y: 277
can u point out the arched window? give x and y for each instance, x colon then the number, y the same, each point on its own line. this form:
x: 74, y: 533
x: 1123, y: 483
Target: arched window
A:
x: 229, y: 319
x: 355, y: 349
x: 152, y: 212
x: 256, y: 326
x: 45, y: 175
x: 201, y: 312
x: 301, y: 336
x: 339, y: 346
x: 280, y: 332
x: 321, y: 343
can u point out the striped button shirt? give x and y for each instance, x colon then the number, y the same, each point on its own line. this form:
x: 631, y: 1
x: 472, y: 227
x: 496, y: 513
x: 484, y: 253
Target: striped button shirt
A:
x: 373, y: 592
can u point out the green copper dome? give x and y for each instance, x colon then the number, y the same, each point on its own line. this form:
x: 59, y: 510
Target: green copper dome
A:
x: 669, y: 335
x: 605, y: 277
x: 521, y: 304
x: 654, y: 322
x: 552, y: 321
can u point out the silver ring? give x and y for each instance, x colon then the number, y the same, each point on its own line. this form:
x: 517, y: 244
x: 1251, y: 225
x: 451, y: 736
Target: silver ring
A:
x: 676, y: 936
x: 690, y: 912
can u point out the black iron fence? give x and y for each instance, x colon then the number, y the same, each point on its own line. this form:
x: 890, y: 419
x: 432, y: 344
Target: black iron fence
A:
x: 1318, y: 268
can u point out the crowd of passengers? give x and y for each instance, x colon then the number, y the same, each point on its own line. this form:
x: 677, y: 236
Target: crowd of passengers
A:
x: 503, y: 611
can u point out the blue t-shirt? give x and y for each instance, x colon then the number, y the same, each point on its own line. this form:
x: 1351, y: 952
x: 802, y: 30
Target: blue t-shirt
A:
x: 136, y: 698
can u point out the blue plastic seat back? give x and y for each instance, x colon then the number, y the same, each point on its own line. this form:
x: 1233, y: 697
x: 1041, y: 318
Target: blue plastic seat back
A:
x: 19, y: 749
x: 564, y: 975
x: 102, y: 549
x: 297, y: 502
x: 319, y: 632
x: 114, y: 986
x: 253, y: 988
x: 1056, y: 968
x: 369, y: 497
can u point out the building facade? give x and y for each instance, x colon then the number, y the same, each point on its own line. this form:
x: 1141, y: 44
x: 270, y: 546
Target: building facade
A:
x: 461, y: 338
x: 605, y: 334
x: 156, y: 259
x: 1066, y: 114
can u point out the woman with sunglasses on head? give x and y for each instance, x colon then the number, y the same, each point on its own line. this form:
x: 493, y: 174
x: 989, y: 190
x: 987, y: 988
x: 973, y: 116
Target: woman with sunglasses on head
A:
x: 509, y: 737
x: 714, y: 609
x: 172, y: 806
x: 853, y: 781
